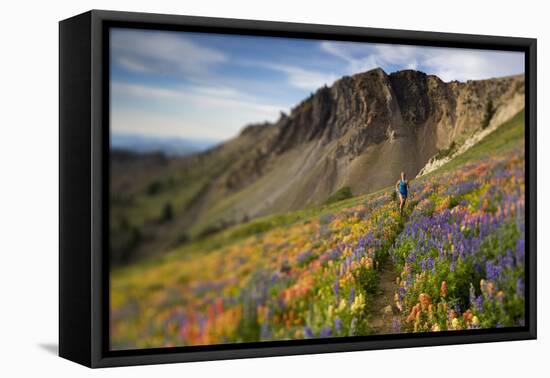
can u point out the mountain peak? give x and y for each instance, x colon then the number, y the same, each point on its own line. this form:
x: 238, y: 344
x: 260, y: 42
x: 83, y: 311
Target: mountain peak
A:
x: 377, y: 70
x: 410, y: 73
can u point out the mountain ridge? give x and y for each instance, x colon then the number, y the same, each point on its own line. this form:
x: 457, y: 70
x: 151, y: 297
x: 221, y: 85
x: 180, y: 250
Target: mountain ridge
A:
x: 360, y: 133
x: 171, y: 146
x: 369, y: 108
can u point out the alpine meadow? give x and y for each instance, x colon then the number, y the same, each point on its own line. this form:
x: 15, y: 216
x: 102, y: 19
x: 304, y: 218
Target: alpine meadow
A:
x: 389, y: 199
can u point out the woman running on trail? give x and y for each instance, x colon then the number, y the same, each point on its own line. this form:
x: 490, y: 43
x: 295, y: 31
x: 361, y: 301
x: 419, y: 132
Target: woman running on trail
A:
x: 402, y: 188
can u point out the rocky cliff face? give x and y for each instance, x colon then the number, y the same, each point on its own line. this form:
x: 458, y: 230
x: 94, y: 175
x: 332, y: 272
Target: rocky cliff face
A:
x: 361, y: 133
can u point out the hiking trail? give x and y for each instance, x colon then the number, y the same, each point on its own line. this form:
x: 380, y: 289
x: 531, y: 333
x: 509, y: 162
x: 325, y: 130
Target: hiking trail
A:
x: 386, y: 317
x: 385, y: 312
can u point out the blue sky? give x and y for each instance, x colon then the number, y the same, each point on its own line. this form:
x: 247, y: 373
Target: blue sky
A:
x: 208, y: 86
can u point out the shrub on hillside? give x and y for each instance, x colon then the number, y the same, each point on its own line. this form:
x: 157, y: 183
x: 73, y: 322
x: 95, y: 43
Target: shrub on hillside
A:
x: 339, y: 195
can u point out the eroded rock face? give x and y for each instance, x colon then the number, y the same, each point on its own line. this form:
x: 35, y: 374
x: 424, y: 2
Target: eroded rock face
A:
x: 372, y: 104
x: 361, y: 132
x: 409, y: 108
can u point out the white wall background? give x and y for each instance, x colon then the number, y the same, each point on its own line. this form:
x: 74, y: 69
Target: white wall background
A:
x: 29, y: 187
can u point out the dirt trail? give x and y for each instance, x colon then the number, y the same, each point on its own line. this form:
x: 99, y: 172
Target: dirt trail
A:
x: 385, y: 313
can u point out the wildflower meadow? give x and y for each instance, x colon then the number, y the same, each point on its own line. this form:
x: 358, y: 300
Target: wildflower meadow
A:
x: 455, y: 260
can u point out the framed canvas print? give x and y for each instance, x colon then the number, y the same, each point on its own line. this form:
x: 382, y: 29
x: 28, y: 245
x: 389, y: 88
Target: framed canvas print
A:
x: 234, y: 188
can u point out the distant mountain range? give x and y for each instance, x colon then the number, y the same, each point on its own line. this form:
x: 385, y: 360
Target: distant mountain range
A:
x: 357, y: 135
x: 170, y: 146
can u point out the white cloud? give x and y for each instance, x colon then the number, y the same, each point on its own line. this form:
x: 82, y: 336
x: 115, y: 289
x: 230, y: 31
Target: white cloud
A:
x: 228, y: 110
x: 447, y: 63
x: 407, y: 56
x: 136, y: 90
x: 356, y: 55
x: 303, y: 79
x: 464, y: 64
x: 366, y: 56
x: 162, y: 52
x: 296, y: 76
x: 132, y: 64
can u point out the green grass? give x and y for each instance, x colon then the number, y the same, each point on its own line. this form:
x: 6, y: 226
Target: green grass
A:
x: 291, y: 258
x: 447, y: 151
x: 339, y: 195
x: 235, y: 233
x: 500, y: 140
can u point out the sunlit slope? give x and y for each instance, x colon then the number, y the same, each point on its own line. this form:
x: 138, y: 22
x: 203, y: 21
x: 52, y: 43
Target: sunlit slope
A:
x: 458, y: 253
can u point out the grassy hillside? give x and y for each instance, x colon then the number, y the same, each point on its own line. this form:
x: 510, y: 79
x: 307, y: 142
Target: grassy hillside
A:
x: 146, y: 187
x: 457, y: 258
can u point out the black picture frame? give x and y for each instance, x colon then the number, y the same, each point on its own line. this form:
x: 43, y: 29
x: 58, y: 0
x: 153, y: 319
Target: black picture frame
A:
x: 83, y: 182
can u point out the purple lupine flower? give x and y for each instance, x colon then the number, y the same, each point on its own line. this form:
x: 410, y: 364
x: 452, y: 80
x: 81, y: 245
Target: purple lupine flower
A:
x: 308, y: 332
x: 506, y: 261
x: 509, y: 259
x: 338, y: 325
x: 520, y: 251
x: 520, y: 287
x: 479, y: 303
x: 493, y: 271
x: 336, y: 288
x: 202, y: 324
x: 396, y: 325
x: 265, y: 332
x: 457, y: 308
x: 304, y: 257
x: 453, y: 266
x: 478, y: 268
x: 348, y: 262
x: 333, y: 254
x: 401, y: 292
x: 326, y: 332
x: 351, y: 295
x: 430, y: 263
